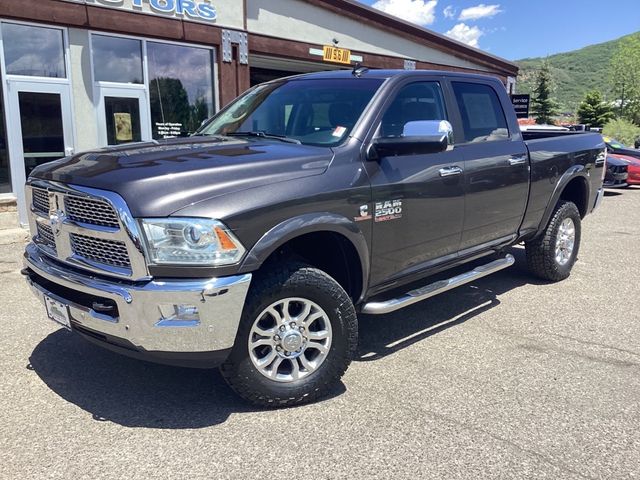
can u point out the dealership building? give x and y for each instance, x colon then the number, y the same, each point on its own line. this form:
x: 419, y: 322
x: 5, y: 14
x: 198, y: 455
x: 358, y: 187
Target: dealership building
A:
x: 80, y: 74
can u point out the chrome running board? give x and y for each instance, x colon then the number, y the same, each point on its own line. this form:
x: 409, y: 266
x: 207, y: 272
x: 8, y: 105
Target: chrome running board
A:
x: 428, y: 291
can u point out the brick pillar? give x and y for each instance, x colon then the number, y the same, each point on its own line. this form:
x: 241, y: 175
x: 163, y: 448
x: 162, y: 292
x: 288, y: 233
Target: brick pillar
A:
x: 234, y: 66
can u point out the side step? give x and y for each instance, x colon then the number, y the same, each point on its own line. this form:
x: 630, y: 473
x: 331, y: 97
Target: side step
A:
x: 428, y: 291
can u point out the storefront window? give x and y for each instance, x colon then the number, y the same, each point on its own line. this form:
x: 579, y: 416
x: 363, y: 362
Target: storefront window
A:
x: 42, y: 128
x: 117, y: 59
x: 33, y: 51
x: 5, y: 179
x: 180, y: 88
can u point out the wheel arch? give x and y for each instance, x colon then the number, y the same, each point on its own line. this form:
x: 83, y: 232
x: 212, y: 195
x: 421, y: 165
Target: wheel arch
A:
x: 572, y: 186
x: 305, y: 236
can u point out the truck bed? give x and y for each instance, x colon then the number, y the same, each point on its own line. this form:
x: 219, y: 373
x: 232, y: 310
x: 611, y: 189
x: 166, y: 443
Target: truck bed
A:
x: 533, y: 134
x: 553, y: 153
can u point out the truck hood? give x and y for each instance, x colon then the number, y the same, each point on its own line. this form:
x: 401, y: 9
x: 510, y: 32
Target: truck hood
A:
x: 158, y: 178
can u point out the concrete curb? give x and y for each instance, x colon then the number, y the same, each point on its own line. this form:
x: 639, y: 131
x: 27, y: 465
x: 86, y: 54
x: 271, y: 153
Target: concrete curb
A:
x: 13, y: 235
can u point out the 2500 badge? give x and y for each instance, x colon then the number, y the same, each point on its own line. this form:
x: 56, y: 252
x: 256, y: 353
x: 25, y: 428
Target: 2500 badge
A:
x: 388, y: 210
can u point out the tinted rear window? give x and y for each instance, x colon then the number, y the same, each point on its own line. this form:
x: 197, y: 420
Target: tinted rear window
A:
x: 482, y: 115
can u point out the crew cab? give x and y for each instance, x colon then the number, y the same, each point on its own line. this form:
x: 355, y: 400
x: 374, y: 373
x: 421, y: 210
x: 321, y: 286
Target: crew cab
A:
x: 254, y: 244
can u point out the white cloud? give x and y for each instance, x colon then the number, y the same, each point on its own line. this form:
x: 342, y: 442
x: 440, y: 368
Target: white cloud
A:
x: 479, y: 11
x: 466, y: 34
x: 421, y: 12
x: 449, y: 11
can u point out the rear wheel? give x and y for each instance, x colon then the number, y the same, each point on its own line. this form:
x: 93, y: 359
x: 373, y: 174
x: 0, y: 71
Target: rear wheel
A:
x: 297, y: 336
x: 553, y: 254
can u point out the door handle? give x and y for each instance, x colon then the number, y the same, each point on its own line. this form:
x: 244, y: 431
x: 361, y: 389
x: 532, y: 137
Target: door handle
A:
x: 450, y: 171
x: 518, y: 160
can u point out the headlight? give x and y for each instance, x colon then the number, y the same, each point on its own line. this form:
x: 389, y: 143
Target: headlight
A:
x: 190, y: 241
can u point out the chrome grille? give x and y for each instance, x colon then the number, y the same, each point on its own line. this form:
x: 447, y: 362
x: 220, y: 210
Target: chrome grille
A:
x: 90, y: 210
x: 45, y: 236
x: 84, y: 227
x: 40, y: 200
x: 106, y: 252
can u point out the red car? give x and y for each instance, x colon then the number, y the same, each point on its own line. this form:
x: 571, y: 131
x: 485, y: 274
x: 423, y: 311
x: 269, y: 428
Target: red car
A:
x: 633, y: 169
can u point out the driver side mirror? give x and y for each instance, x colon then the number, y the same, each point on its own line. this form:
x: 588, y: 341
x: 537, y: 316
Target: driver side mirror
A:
x: 418, y: 137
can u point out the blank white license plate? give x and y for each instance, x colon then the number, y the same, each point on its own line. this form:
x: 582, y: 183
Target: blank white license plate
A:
x: 58, y: 312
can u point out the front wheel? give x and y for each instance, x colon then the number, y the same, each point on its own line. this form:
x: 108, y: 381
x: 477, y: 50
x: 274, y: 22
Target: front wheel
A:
x: 552, y: 255
x: 297, y: 336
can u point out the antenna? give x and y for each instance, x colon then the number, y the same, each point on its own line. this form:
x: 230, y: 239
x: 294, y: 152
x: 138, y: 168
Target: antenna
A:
x: 359, y: 70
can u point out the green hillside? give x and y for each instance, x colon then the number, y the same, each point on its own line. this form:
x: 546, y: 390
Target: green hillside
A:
x: 574, y: 73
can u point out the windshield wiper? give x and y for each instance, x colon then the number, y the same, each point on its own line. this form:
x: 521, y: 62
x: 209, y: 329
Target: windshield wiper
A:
x: 282, y: 138
x: 222, y: 138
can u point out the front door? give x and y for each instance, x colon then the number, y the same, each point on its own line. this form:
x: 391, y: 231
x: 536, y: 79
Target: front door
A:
x: 123, y: 116
x: 42, y: 130
x: 418, y: 200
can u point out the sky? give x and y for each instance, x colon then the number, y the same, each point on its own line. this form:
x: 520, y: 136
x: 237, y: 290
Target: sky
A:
x: 516, y: 29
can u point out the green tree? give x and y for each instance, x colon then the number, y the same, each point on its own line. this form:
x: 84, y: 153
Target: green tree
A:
x: 543, y: 106
x: 632, y: 110
x: 199, y: 113
x: 622, y: 130
x: 593, y: 110
x: 625, y: 77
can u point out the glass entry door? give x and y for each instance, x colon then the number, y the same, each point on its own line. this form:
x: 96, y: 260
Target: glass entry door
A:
x: 41, y: 130
x: 123, y: 116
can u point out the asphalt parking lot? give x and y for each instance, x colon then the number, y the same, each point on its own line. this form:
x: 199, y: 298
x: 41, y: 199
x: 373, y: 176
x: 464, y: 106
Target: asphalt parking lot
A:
x: 504, y: 378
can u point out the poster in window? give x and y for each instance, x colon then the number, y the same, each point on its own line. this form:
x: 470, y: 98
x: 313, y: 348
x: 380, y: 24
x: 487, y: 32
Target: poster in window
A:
x: 124, y: 129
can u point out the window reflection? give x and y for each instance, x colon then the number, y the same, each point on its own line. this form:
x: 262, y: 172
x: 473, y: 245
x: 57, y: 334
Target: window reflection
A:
x: 33, y: 51
x: 180, y: 88
x: 117, y: 59
x: 482, y: 115
x: 42, y: 129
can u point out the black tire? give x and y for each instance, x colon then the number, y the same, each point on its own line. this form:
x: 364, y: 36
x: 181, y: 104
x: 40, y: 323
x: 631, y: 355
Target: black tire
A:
x: 271, y: 285
x: 541, y: 256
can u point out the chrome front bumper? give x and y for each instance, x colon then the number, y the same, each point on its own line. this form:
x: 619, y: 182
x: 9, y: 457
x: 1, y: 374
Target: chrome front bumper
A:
x: 141, y: 319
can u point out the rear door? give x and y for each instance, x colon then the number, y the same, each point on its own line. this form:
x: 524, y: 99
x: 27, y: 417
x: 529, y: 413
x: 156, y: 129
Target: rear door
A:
x: 418, y: 200
x: 496, y: 166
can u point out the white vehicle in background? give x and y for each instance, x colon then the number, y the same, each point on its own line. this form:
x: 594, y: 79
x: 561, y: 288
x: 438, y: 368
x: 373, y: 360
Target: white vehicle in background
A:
x: 551, y: 128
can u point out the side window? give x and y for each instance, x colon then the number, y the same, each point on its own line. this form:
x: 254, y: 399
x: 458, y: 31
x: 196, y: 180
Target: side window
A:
x: 483, y: 119
x: 416, y: 101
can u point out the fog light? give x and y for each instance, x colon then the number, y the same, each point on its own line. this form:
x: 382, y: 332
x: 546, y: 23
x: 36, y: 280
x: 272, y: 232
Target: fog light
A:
x: 172, y: 315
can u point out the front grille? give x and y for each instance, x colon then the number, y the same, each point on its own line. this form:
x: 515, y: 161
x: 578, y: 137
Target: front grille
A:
x: 89, y: 233
x: 40, y: 200
x: 107, y: 252
x: 90, y: 210
x: 46, y: 237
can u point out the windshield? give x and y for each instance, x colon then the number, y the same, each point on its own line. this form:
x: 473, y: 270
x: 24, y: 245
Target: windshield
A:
x: 313, y: 112
x: 613, y: 142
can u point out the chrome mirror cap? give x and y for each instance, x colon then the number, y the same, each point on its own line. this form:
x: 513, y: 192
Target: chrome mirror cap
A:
x: 426, y: 128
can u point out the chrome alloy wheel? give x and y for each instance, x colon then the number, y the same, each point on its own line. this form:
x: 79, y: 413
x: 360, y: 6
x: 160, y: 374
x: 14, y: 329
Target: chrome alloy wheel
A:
x: 290, y: 339
x: 565, y: 241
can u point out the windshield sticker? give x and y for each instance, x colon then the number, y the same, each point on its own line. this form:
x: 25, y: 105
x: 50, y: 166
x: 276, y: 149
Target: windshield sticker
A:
x: 339, y: 131
x: 364, y: 214
x: 388, y: 210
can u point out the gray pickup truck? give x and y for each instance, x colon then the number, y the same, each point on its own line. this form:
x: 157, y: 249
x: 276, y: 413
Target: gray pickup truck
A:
x: 254, y: 244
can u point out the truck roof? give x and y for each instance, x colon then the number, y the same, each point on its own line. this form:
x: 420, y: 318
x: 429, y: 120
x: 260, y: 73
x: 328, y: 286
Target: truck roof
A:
x: 384, y: 74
